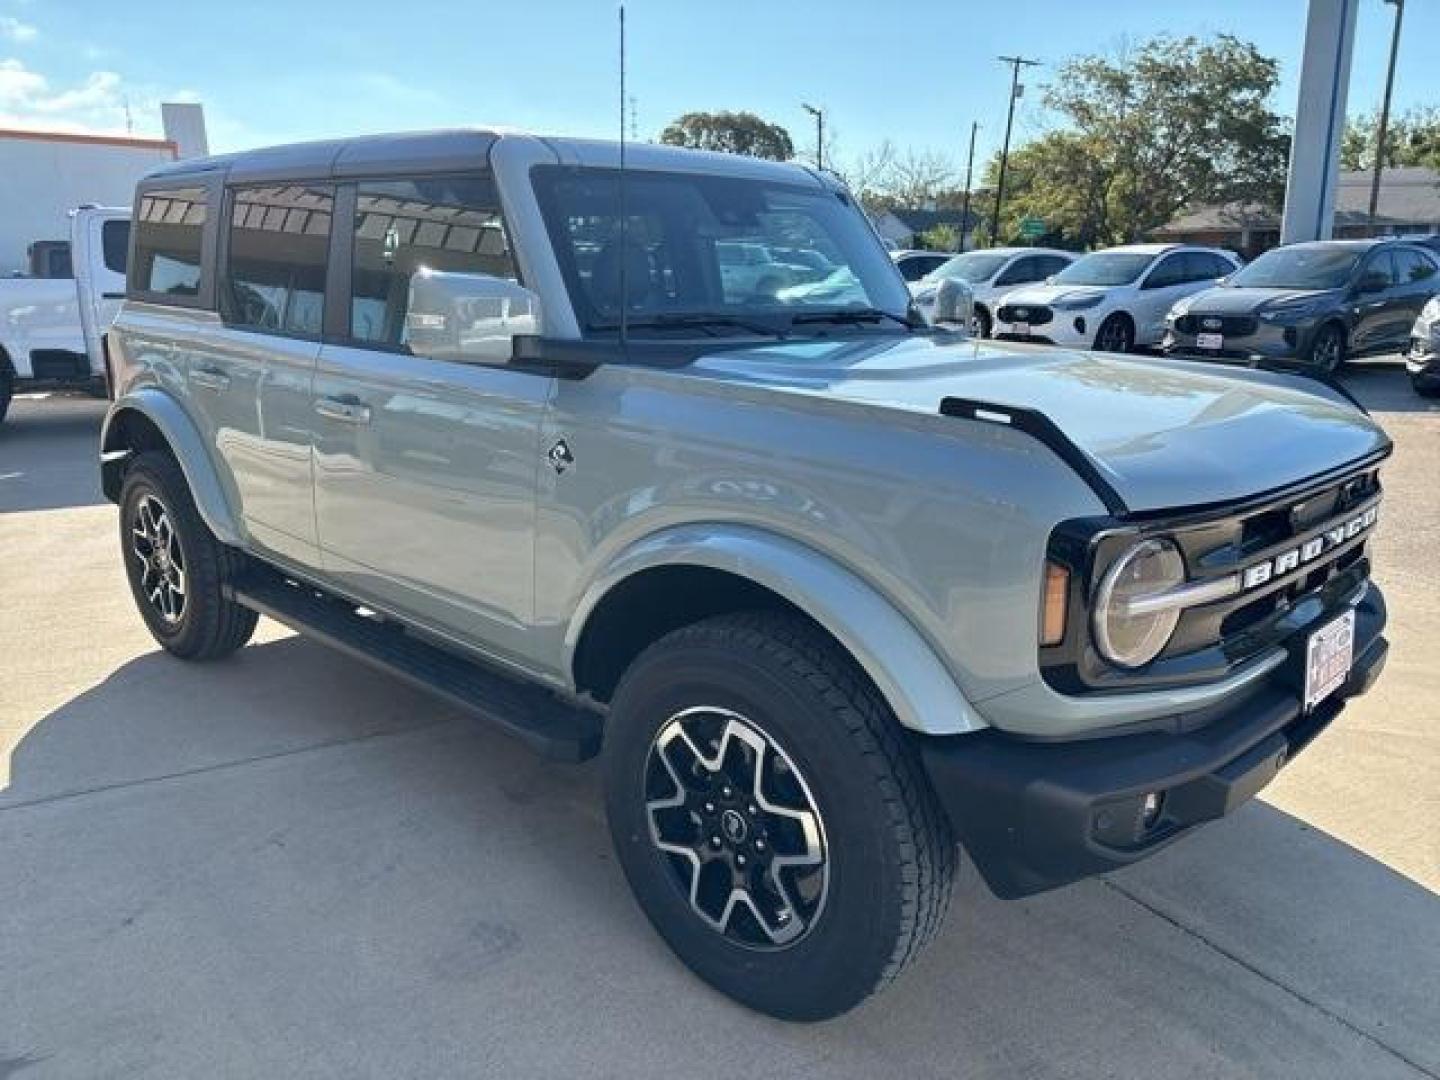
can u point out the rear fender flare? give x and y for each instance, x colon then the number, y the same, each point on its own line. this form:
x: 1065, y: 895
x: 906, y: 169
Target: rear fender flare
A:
x: 187, y: 447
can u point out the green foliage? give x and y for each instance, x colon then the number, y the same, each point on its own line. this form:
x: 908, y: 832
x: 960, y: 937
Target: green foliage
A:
x: 1171, y: 124
x: 732, y: 133
x: 942, y: 237
x: 1413, y: 138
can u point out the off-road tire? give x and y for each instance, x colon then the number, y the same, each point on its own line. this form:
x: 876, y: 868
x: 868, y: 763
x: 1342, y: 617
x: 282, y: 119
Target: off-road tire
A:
x: 892, y: 855
x: 210, y: 625
x: 7, y: 387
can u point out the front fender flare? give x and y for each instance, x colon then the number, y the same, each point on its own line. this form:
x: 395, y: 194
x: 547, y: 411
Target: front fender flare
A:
x: 901, y: 663
x: 186, y: 445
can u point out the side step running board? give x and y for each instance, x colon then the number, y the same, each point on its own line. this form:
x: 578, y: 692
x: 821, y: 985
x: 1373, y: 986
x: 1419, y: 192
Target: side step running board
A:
x: 552, y: 727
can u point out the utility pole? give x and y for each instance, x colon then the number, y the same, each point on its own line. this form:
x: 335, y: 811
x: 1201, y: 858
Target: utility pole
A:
x: 1385, y: 114
x: 1016, y: 63
x: 819, y: 115
x: 969, y: 170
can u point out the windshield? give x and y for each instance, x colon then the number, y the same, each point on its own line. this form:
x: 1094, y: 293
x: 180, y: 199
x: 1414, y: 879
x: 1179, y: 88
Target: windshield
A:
x: 719, y: 249
x: 1298, y: 268
x: 1105, y: 268
x: 973, y: 267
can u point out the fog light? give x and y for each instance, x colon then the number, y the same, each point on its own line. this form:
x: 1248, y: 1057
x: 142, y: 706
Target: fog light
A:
x: 1151, y: 807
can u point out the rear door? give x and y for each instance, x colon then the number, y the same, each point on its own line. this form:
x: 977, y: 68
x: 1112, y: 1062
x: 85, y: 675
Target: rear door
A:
x: 254, y: 370
x: 426, y: 468
x: 100, y: 244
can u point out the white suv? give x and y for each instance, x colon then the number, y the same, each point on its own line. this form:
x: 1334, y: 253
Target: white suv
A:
x: 991, y: 274
x: 1113, y: 300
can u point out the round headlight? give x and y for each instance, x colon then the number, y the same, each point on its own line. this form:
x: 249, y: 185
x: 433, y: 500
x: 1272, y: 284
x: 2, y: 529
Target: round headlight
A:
x: 1132, y: 639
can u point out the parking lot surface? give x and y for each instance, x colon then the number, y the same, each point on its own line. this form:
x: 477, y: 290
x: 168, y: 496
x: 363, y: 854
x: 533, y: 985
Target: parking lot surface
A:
x: 285, y: 864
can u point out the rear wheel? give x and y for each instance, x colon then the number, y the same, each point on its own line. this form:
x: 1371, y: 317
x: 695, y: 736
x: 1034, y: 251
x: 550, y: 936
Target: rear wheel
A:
x: 1424, y: 387
x: 1327, y: 351
x: 980, y: 323
x: 178, y: 571
x: 7, y: 387
x: 1116, y: 334
x: 774, y: 825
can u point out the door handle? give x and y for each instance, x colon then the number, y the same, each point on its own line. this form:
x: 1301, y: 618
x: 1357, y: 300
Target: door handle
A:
x: 345, y: 412
x: 210, y: 379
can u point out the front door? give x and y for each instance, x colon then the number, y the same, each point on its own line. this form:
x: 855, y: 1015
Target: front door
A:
x: 426, y: 468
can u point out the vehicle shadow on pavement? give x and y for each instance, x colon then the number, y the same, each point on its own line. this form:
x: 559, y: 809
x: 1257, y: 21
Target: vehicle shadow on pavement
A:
x: 294, y: 866
x: 1382, y: 386
x: 39, y: 468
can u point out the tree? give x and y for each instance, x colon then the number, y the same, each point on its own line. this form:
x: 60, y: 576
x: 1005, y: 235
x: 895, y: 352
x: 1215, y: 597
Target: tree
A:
x: 732, y: 133
x: 1411, y: 139
x: 1172, y: 124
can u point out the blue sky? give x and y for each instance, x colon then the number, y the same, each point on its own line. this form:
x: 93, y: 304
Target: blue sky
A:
x: 916, y: 73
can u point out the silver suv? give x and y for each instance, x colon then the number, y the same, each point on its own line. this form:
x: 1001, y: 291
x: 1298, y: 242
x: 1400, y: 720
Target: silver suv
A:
x: 833, y: 593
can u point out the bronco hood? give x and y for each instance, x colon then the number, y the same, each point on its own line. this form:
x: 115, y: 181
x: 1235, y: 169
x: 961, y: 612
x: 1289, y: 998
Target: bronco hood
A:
x: 1163, y: 434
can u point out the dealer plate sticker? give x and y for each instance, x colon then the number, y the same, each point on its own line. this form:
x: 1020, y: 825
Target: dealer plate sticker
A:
x: 1328, y: 656
x: 1210, y: 341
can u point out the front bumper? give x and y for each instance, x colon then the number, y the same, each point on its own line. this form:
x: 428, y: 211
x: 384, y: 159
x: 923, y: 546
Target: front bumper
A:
x: 1269, y: 342
x: 1422, y: 361
x: 1037, y: 815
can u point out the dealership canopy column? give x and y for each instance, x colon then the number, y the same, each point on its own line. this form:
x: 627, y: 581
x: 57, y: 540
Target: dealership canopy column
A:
x: 1319, y: 121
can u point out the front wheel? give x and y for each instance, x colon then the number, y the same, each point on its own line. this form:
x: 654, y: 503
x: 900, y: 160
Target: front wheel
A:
x: 1116, y: 334
x: 1327, y: 351
x: 178, y: 571
x: 980, y: 324
x: 775, y: 826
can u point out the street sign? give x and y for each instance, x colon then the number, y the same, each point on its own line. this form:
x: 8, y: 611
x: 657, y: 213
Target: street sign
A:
x: 1032, y: 228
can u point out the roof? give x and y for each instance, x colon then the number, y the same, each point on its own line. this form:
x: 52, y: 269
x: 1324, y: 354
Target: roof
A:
x: 457, y: 149
x: 925, y: 220
x: 1409, y: 195
x: 89, y: 140
x: 1143, y: 249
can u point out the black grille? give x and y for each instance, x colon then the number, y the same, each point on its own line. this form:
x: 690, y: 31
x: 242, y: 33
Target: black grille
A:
x: 1212, y: 640
x: 1034, y: 314
x: 1197, y: 322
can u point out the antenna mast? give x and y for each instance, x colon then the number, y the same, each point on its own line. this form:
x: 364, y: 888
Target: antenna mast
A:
x: 624, y: 225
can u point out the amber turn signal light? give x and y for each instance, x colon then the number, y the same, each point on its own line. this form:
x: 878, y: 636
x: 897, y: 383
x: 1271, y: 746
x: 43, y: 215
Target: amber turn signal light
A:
x: 1053, y: 604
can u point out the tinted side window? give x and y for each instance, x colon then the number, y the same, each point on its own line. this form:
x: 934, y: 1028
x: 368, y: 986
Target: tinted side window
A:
x: 1171, y: 271
x: 1382, y: 263
x: 277, y: 243
x: 1217, y: 266
x: 450, y: 224
x: 1414, y: 266
x: 167, y: 247
x: 1020, y: 272
x: 115, y: 244
x: 1051, y: 264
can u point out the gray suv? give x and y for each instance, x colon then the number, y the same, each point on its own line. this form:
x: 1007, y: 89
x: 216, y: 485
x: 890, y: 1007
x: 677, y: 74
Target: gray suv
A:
x: 833, y: 594
x: 1311, y: 305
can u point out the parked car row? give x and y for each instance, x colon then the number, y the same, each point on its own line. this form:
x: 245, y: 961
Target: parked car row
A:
x: 1310, y: 305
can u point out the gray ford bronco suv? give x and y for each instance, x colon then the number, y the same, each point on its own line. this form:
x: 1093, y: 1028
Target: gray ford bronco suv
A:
x: 833, y: 594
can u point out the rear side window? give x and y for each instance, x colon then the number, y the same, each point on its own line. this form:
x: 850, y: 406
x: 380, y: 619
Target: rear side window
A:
x: 277, y: 241
x: 170, y: 225
x: 450, y: 224
x: 1414, y: 266
x: 115, y: 244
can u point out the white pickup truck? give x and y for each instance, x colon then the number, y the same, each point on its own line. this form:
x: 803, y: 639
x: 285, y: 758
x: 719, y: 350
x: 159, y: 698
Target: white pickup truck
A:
x: 51, y: 327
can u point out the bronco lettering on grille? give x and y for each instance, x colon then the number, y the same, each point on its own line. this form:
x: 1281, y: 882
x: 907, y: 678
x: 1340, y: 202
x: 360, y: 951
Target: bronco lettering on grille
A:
x: 1294, y: 558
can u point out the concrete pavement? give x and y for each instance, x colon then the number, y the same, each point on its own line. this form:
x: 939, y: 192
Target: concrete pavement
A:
x: 285, y: 864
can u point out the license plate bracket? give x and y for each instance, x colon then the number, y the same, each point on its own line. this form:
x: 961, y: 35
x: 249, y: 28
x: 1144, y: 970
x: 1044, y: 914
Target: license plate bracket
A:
x: 1329, y: 655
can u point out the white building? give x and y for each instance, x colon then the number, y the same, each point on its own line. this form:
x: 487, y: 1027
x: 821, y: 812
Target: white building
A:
x: 46, y: 174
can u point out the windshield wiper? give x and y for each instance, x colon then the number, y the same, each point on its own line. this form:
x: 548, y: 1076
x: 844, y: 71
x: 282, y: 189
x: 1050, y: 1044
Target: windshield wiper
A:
x: 694, y: 320
x: 852, y: 317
